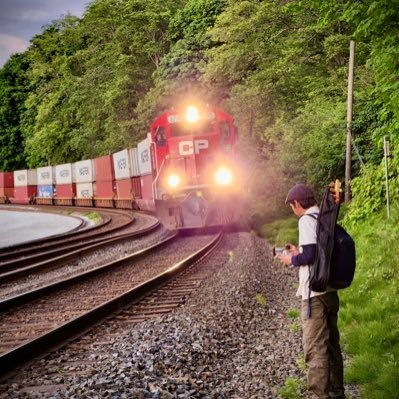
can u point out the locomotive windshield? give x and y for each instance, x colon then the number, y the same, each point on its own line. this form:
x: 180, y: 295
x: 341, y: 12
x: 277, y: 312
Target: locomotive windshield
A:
x: 183, y: 129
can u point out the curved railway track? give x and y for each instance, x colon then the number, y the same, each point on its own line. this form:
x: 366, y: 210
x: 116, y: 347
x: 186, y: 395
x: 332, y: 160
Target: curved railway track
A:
x: 112, y: 222
x: 58, y: 256
x: 51, y: 318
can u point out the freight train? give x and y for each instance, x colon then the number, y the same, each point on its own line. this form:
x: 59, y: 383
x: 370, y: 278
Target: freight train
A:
x: 186, y: 170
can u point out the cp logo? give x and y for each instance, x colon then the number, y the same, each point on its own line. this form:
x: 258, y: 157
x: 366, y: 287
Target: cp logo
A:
x: 192, y: 147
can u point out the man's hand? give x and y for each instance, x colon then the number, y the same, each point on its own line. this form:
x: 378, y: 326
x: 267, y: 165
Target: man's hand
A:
x: 293, y: 249
x: 285, y: 259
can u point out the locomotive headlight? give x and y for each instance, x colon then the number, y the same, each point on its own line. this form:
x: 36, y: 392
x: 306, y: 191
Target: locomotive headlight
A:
x: 223, y: 176
x: 174, y: 181
x: 192, y: 114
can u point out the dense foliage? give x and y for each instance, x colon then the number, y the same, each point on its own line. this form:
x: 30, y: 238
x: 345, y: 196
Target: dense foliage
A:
x: 90, y: 86
x: 14, y: 88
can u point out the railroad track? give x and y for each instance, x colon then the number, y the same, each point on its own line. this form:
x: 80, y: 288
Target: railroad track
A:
x: 112, y: 222
x: 49, y: 319
x: 58, y: 256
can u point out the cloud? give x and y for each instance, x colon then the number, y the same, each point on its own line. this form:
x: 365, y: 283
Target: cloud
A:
x: 10, y: 45
x: 20, y: 20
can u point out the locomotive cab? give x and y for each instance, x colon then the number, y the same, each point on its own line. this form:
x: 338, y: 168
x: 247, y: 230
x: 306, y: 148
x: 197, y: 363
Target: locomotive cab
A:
x: 197, y: 181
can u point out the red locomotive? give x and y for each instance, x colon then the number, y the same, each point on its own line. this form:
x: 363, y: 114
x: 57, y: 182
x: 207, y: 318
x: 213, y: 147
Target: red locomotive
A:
x: 185, y: 170
x: 196, y: 178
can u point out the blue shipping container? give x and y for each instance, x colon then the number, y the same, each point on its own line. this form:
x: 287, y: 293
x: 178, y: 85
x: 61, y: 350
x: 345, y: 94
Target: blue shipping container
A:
x: 45, y: 191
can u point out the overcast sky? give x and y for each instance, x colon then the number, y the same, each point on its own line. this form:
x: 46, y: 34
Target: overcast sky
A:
x: 20, y: 20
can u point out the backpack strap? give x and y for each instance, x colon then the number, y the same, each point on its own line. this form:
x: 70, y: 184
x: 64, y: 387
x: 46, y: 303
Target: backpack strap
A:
x: 313, y: 216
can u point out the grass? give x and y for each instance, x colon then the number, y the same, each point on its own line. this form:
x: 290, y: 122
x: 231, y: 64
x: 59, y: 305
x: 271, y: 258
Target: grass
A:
x: 292, y: 388
x: 93, y: 216
x: 281, y: 232
x: 295, y: 327
x: 369, y: 311
x: 293, y: 313
x: 370, y: 308
x: 261, y: 300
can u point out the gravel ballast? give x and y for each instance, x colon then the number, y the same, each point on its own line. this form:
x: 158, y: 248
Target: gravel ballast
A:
x: 231, y: 339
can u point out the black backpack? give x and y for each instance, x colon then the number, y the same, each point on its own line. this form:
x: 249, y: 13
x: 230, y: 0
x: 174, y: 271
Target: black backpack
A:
x: 335, y: 249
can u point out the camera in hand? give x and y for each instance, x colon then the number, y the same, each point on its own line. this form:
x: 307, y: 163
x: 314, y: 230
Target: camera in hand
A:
x: 281, y: 250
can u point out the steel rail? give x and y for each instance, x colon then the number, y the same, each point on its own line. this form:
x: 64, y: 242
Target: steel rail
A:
x: 75, y: 327
x: 10, y: 249
x: 57, y: 257
x: 27, y: 248
x: 28, y: 296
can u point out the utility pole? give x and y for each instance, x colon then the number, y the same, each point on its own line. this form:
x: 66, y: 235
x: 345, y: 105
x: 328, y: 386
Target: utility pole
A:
x: 386, y: 156
x: 349, y: 114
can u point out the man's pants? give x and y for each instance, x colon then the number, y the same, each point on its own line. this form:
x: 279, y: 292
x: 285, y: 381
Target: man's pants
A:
x: 321, y: 346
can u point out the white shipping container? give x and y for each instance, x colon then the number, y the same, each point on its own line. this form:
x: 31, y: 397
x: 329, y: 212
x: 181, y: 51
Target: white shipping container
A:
x: 85, y: 171
x: 46, y: 176
x: 122, y: 165
x: 64, y: 174
x: 144, y: 157
x: 85, y: 190
x: 25, y: 177
x: 134, y: 162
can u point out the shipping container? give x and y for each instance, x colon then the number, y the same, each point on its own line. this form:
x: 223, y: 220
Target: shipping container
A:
x: 105, y: 193
x: 84, y: 171
x: 64, y: 174
x: 24, y: 194
x: 144, y: 157
x: 45, y: 194
x: 146, y: 202
x: 24, y: 178
x: 124, y: 189
x: 46, y: 176
x: 45, y: 191
x: 121, y: 165
x: 6, y: 191
x: 136, y: 187
x: 65, y: 190
x: 85, y: 190
x: 146, y: 187
x: 5, y: 194
x: 124, y: 194
x: 134, y: 162
x: 105, y: 189
x: 6, y: 179
x: 104, y: 167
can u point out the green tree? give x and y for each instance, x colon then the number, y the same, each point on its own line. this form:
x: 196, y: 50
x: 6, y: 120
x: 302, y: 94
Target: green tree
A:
x: 179, y: 76
x: 88, y: 75
x: 48, y: 137
x: 13, y: 93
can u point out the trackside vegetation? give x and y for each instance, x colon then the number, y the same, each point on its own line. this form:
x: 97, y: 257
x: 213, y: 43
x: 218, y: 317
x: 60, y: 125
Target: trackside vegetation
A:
x: 89, y: 86
x: 368, y: 317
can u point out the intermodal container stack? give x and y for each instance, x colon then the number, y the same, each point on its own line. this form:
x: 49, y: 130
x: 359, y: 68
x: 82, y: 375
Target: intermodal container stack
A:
x: 45, y: 185
x: 25, y: 186
x: 6, y: 186
x: 146, y: 176
x: 85, y: 182
x: 134, y: 167
x: 105, y: 184
x: 123, y: 175
x: 65, y: 184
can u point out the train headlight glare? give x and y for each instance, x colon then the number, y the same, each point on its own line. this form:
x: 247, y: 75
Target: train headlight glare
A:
x: 192, y: 114
x: 223, y: 177
x: 173, y: 181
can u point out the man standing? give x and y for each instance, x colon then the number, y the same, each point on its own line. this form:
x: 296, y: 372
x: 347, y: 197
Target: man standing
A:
x: 319, y: 310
